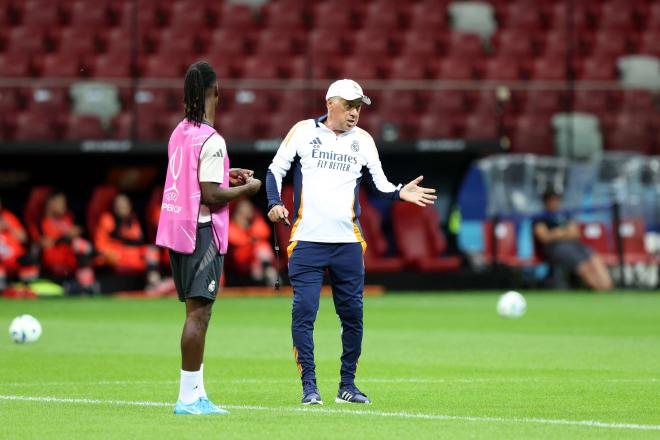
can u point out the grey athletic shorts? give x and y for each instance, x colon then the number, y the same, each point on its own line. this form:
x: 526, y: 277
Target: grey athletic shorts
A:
x: 568, y: 254
x: 198, y: 275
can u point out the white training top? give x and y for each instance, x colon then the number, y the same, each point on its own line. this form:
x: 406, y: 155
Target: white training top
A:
x: 211, y: 168
x: 328, y: 169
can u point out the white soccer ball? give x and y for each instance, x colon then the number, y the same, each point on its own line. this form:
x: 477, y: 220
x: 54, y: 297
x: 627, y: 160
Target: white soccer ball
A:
x: 24, y: 329
x: 511, y: 305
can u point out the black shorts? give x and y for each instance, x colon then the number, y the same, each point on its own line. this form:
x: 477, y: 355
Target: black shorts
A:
x: 568, y: 254
x: 198, y: 275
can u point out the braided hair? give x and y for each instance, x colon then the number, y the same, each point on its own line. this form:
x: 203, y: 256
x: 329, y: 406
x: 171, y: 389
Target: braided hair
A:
x: 199, y: 78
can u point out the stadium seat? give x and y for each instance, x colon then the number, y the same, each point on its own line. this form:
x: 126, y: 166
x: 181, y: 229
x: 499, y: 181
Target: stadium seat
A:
x: 638, y: 101
x: 284, y: 16
x: 161, y: 66
x: 375, y: 259
x: 83, y: 127
x: 381, y: 15
x: 543, y: 102
x: 447, y: 106
x: 60, y: 64
x: 481, y: 126
x: 81, y: 15
x: 15, y: 64
x: 532, y: 141
x: 255, y: 67
x: 51, y: 101
x: 422, y: 44
x: 120, y: 42
x: 407, y: 67
x: 40, y: 15
x: 455, y: 69
x: 419, y: 239
x: 557, y: 43
x: 548, y: 69
x: 176, y: 42
x: 608, y: 45
x: 629, y: 133
x: 370, y: 45
x: 236, y: 17
x: 616, y: 17
x: 34, y: 210
x: 464, y: 45
x: 577, y: 135
x: 99, y: 202
x: 25, y: 40
x: 146, y: 126
x: 275, y: 44
x: 523, y: 17
x: 359, y: 68
x: 34, y: 127
x: 324, y: 43
x: 559, y: 15
x: 640, y: 71
x: 187, y: 15
x: 648, y: 44
x: 431, y: 126
x: 328, y: 15
x: 514, y: 43
x: 507, y: 245
x: 77, y: 42
x: 502, y: 68
x: 234, y: 126
x: 632, y: 238
x: 598, y: 238
x: 599, y: 68
x: 111, y: 66
x: 280, y: 123
x: 427, y: 17
x: 592, y: 101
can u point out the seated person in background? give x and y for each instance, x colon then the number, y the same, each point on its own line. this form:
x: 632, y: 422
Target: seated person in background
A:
x: 64, y: 251
x: 119, y: 239
x: 15, y: 259
x: 250, y: 253
x: 560, y: 241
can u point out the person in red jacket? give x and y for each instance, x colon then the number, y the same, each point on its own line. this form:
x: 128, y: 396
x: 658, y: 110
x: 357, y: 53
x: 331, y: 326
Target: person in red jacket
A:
x: 250, y: 253
x: 64, y: 251
x: 120, y: 240
x: 15, y: 258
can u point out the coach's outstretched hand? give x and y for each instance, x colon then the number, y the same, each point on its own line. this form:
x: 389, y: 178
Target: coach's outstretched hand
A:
x: 416, y: 194
x: 279, y: 213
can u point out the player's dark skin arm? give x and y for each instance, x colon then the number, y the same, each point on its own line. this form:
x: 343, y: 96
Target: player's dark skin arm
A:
x: 212, y: 194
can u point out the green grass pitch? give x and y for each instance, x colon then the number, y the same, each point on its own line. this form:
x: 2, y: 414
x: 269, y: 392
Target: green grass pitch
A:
x: 577, y: 365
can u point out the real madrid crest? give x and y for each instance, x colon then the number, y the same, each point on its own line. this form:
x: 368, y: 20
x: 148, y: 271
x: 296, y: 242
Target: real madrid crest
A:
x: 355, y: 146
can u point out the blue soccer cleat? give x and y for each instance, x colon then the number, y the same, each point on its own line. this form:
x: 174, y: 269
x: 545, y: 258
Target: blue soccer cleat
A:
x: 201, y: 406
x: 349, y: 393
x: 311, y: 395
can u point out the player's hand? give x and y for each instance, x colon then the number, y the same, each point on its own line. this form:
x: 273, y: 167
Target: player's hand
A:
x: 238, y: 176
x: 279, y: 213
x: 416, y: 194
x: 254, y: 185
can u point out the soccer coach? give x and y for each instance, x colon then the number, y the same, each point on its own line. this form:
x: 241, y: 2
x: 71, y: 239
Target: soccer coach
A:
x: 330, y: 157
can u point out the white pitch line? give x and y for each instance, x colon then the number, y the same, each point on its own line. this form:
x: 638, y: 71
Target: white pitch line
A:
x: 366, y: 380
x: 401, y: 414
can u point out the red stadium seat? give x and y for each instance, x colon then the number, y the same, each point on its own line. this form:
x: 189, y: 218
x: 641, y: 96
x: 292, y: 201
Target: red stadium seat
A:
x: 592, y: 101
x: 81, y: 127
x: 328, y: 15
x: 176, y: 42
x: 455, y: 69
x: 235, y: 126
x: 428, y: 17
x: 162, y: 66
x: 375, y: 260
x: 543, y: 102
x: 481, y: 126
x: 447, y: 106
x: 99, y: 202
x: 502, y: 68
x: 616, y: 17
x: 549, y: 69
x: 532, y: 135
x: 431, y: 126
x: 507, y: 245
x: 34, y: 127
x: 649, y: 42
x: 599, y: 239
x: 632, y: 236
x: 514, y: 43
x: 629, y: 134
x: 324, y: 43
x: 225, y: 43
x: 146, y: 126
x: 60, y: 64
x: 15, y: 64
x: 284, y: 16
x: 371, y: 44
x: 408, y: 67
x: 119, y: 42
x: 187, y: 15
x: 524, y: 16
x: 40, y: 15
x: 256, y: 67
x: 463, y: 45
x: 608, y: 45
x: 47, y: 100
x: 77, y: 42
x: 381, y: 15
x: 237, y: 17
x: 598, y: 68
x: 111, y: 66
x: 559, y: 15
x: 25, y: 40
x: 420, y: 43
x: 556, y: 44
x: 279, y: 124
x: 82, y: 14
x: 638, y: 101
x: 34, y: 210
x: 360, y: 68
x: 275, y: 44
x: 419, y: 239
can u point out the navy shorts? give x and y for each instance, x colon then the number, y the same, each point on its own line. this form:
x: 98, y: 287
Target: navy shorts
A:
x: 568, y: 254
x: 198, y: 275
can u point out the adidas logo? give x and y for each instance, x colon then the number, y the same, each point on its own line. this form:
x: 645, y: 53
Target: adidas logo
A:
x: 218, y: 154
x: 316, y: 142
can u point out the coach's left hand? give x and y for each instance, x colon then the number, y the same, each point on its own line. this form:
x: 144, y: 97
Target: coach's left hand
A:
x: 238, y: 176
x: 416, y: 194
